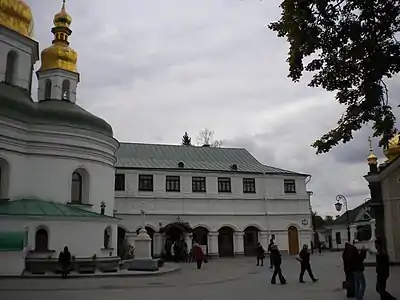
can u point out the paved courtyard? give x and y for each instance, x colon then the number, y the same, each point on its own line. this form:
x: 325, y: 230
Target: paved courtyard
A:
x: 220, y: 279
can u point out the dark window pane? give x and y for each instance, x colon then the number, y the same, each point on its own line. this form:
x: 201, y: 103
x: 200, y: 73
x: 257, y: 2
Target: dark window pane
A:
x: 224, y: 185
x: 76, y: 188
x: 119, y: 182
x: 198, y: 184
x: 145, y: 182
x: 290, y: 186
x: 172, y: 184
x: 249, y: 185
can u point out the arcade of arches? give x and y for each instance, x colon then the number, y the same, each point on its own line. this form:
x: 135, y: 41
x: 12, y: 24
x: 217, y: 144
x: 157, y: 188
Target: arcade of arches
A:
x: 226, y: 242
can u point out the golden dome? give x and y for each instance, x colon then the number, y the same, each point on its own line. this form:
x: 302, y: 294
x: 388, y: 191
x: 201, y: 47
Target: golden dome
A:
x: 62, y: 19
x: 392, y: 151
x: 16, y: 15
x: 60, y: 55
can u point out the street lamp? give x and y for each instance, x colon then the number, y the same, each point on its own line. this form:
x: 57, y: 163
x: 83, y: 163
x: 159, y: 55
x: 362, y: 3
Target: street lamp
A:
x: 338, y: 206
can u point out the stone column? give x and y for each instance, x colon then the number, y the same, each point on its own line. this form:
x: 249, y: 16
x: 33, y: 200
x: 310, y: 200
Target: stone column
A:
x: 130, y: 238
x: 213, y: 244
x: 158, y: 244
x: 142, y: 245
x: 238, y: 243
x: 263, y: 239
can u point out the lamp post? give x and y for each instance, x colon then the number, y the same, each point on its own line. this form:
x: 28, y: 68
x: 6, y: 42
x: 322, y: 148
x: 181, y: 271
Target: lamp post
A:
x: 338, y: 206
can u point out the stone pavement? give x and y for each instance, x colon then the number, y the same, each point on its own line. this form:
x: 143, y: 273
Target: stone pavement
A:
x: 220, y: 279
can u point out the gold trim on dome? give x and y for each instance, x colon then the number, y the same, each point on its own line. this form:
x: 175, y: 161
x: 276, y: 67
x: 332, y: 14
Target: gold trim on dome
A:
x: 392, y: 151
x: 16, y: 15
x: 59, y: 56
x: 62, y: 19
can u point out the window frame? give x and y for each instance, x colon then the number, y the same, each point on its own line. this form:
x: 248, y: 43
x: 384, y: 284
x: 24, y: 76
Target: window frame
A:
x: 172, y: 183
x: 289, y: 186
x: 199, y: 181
x: 119, y: 175
x: 142, y: 180
x: 248, y: 183
x: 78, y: 179
x: 224, y: 185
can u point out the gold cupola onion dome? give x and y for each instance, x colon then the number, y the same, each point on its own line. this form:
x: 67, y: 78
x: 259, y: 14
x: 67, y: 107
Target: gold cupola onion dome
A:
x: 372, y: 158
x: 16, y: 15
x: 392, y: 151
x: 60, y: 55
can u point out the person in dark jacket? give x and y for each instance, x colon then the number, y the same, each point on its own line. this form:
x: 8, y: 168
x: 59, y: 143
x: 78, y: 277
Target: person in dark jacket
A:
x: 64, y: 260
x: 276, y: 261
x: 198, y: 255
x: 349, y: 257
x: 260, y: 255
x: 382, y: 271
x: 271, y: 243
x: 359, y: 277
x: 305, y: 264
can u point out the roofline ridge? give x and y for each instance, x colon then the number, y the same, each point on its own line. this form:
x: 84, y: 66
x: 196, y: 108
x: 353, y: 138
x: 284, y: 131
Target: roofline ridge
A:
x: 178, y: 145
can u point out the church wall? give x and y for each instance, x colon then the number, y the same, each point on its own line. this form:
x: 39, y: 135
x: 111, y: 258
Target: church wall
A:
x: 84, y: 238
x: 11, y: 41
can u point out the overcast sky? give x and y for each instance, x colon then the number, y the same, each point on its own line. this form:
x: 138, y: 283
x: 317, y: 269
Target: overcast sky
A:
x: 155, y: 69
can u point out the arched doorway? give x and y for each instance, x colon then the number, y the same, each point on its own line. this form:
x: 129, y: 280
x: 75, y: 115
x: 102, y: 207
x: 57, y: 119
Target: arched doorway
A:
x: 293, y: 235
x: 150, y: 232
x: 121, y: 241
x: 200, y: 236
x: 250, y: 241
x: 225, y: 242
x: 174, y: 239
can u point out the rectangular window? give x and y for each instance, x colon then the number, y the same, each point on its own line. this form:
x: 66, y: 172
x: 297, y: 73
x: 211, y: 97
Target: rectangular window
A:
x: 199, y: 184
x: 119, y: 182
x: 338, y: 238
x: 146, y: 183
x: 173, y: 184
x: 224, y: 185
x: 249, y: 185
x: 290, y: 186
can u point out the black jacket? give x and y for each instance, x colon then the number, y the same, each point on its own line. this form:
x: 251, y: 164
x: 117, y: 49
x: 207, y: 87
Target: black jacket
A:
x: 276, y: 257
x: 359, y: 263
x: 305, y: 256
x: 382, y: 264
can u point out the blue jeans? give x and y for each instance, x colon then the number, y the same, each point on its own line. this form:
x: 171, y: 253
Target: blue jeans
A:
x: 359, y: 284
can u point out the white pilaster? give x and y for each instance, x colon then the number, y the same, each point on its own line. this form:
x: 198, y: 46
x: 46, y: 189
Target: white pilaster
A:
x: 130, y: 238
x: 263, y: 239
x: 213, y: 244
x: 188, y: 240
x: 238, y: 243
x: 158, y: 244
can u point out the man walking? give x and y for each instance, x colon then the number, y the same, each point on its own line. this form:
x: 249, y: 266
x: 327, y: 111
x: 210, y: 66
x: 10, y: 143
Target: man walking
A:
x: 382, y: 271
x: 260, y: 255
x: 276, y: 261
x: 270, y: 245
x: 304, y: 259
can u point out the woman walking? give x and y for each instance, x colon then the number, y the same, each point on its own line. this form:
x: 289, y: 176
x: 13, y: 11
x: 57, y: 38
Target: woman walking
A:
x: 198, y: 255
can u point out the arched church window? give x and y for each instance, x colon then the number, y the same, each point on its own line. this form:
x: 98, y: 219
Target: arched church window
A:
x: 47, y: 91
x: 41, y: 240
x: 77, y: 188
x: 11, y: 67
x: 65, y: 89
x: 107, y: 238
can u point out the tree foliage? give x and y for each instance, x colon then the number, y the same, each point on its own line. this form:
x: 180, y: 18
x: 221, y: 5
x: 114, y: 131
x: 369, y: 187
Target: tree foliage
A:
x: 205, y: 138
x: 350, y: 46
x: 186, y: 140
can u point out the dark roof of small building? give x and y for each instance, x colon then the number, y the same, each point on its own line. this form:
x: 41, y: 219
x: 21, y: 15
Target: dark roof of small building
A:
x: 155, y: 156
x: 35, y: 208
x: 352, y: 215
x: 16, y: 103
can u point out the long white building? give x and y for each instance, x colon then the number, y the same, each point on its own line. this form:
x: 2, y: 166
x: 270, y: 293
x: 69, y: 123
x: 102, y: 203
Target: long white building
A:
x: 221, y: 197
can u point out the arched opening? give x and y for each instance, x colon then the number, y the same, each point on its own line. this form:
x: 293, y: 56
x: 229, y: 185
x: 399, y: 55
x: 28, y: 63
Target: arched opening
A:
x: 41, y: 240
x: 293, y: 235
x: 121, y: 242
x: 47, y: 89
x: 65, y: 89
x: 11, y: 69
x: 4, y: 178
x: 150, y: 232
x: 200, y: 235
x: 250, y: 240
x: 175, y: 240
x: 107, y: 238
x: 225, y: 242
x: 80, y: 186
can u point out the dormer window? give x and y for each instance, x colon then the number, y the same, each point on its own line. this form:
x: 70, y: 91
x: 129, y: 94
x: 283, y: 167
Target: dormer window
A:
x: 181, y: 165
x: 234, y: 167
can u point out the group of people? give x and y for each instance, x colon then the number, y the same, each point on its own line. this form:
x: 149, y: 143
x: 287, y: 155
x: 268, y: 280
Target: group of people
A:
x: 276, y: 262
x: 353, y: 263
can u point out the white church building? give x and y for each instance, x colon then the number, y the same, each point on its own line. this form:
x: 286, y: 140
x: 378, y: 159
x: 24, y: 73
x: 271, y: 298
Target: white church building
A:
x: 66, y: 181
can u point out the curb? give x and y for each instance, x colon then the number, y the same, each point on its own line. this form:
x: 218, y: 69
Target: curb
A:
x: 173, y: 269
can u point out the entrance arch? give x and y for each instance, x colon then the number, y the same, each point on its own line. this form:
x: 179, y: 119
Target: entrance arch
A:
x: 150, y: 232
x: 293, y: 235
x: 175, y: 235
x: 225, y: 242
x: 200, y: 236
x: 250, y: 241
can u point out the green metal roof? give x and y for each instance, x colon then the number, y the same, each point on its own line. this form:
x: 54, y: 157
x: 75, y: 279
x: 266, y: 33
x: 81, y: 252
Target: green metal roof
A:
x: 16, y: 103
x: 12, y: 241
x: 153, y: 156
x: 34, y: 207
